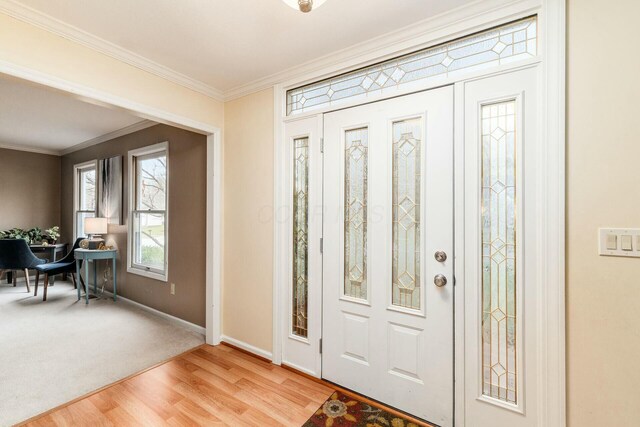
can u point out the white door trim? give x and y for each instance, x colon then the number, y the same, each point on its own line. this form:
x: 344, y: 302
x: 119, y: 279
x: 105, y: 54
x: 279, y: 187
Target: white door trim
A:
x: 551, y: 226
x: 214, y: 171
x: 552, y: 343
x: 280, y: 251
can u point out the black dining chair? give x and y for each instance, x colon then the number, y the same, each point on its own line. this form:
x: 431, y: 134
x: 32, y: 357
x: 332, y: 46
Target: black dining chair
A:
x: 15, y: 255
x: 65, y: 265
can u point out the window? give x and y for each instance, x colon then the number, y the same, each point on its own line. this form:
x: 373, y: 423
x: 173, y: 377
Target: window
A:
x: 300, y: 235
x: 510, y: 42
x: 148, y: 201
x: 355, y: 212
x: 84, y: 195
x: 499, y: 201
x: 407, y: 148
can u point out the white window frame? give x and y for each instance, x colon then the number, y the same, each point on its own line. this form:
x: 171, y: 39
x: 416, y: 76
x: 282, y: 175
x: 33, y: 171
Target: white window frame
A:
x: 77, y: 169
x: 132, y: 267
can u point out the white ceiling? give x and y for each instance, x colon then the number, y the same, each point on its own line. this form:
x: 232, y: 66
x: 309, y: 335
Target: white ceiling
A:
x: 226, y: 44
x: 40, y: 119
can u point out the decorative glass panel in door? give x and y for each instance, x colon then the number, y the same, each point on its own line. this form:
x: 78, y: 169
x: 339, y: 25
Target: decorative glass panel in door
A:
x: 397, y: 158
x: 407, y: 141
x: 300, y: 236
x: 355, y: 212
x: 499, y: 251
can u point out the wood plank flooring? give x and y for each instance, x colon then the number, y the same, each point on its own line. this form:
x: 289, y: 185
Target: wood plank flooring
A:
x: 208, y: 386
x: 213, y: 386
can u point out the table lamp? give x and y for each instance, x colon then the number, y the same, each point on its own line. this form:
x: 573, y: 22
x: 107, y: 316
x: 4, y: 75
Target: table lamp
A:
x: 95, y: 227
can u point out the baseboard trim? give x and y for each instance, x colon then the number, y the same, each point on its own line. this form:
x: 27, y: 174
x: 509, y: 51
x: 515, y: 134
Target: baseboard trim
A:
x: 300, y: 369
x: 180, y: 322
x: 247, y: 347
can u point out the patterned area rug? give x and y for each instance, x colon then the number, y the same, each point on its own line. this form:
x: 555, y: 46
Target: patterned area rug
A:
x: 341, y: 410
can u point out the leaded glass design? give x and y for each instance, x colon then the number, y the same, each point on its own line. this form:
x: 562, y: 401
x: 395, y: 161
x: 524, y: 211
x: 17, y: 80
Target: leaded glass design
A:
x: 407, y: 142
x: 499, y: 251
x: 355, y: 212
x: 300, y: 235
x: 508, y: 43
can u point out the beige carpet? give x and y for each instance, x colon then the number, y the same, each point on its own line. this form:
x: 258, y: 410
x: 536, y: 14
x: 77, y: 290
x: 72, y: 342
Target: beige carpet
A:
x: 52, y: 352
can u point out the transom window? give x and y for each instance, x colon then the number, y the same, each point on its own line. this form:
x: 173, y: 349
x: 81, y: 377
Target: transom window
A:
x: 84, y: 195
x: 148, y: 189
x: 508, y: 43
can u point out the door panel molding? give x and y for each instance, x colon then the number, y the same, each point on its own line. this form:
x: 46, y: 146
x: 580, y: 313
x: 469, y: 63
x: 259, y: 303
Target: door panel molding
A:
x: 409, y: 358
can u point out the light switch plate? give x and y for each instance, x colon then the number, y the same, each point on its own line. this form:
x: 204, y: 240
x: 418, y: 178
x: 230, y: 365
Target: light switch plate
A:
x: 627, y: 242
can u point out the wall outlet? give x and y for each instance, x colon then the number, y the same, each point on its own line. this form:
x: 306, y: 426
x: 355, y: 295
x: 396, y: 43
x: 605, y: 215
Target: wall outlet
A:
x: 173, y: 289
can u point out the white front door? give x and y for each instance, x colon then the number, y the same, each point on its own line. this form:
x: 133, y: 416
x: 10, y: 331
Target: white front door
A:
x: 388, y: 227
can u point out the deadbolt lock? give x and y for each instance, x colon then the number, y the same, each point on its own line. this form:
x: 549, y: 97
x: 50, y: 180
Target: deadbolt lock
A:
x: 440, y: 256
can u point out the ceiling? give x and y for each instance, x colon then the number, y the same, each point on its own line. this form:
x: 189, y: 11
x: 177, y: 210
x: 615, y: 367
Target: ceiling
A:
x: 37, y: 118
x: 226, y: 44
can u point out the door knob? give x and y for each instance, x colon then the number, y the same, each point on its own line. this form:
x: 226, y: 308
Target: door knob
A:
x: 440, y: 280
x: 440, y: 256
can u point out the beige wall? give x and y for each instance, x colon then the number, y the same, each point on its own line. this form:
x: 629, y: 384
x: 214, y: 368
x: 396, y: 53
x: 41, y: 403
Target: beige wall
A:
x: 29, y: 190
x: 28, y: 46
x: 603, y: 183
x: 248, y: 225
x: 603, y: 190
x: 187, y: 219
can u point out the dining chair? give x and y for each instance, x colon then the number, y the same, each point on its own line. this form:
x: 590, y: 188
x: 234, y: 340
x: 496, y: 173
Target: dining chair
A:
x: 15, y: 255
x: 64, y: 265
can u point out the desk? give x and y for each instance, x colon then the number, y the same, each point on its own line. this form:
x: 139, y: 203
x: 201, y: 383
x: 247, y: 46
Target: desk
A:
x: 88, y: 254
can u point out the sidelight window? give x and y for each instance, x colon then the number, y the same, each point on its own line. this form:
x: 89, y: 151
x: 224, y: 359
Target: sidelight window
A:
x: 499, y: 340
x: 300, y: 236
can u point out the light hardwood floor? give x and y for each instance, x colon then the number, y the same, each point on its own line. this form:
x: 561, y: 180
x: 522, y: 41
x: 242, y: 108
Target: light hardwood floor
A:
x: 207, y: 386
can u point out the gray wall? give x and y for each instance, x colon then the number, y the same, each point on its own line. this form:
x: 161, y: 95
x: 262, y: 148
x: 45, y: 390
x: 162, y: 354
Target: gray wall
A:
x: 29, y: 189
x: 187, y: 220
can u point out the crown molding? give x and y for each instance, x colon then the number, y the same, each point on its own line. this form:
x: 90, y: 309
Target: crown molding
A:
x: 62, y: 29
x: 29, y: 149
x: 94, y: 141
x: 108, y: 136
x: 429, y: 32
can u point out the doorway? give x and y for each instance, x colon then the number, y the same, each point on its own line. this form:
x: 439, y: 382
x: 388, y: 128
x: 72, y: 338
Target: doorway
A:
x: 388, y: 252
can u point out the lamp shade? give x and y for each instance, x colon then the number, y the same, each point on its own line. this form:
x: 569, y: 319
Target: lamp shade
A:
x: 95, y: 225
